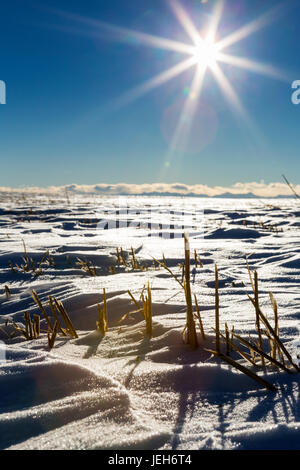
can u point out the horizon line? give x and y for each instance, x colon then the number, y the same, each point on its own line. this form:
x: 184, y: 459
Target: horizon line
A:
x: 251, y: 189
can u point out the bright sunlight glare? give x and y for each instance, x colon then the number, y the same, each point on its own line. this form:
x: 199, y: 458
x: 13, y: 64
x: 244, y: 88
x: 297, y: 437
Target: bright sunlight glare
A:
x: 205, y: 53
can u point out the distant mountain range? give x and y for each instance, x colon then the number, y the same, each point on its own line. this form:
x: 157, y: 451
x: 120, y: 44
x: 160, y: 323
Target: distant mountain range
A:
x: 219, y: 196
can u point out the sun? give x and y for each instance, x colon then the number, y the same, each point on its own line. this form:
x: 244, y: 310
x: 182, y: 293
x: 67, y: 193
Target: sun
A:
x: 205, y: 53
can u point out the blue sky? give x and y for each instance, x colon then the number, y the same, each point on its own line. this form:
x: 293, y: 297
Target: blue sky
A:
x: 63, y: 77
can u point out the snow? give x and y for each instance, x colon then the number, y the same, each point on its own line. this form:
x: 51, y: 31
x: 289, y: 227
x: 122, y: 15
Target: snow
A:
x: 124, y: 390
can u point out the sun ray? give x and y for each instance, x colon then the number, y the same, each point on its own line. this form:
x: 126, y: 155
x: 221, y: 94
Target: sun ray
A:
x: 204, y: 51
x: 229, y: 91
x: 154, y: 82
x: 216, y: 18
x: 236, y: 104
x: 253, y: 66
x: 250, y: 28
x: 185, y: 21
x: 185, y: 120
x: 124, y: 34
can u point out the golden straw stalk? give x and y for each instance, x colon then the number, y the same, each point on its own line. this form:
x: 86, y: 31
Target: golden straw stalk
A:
x: 191, y: 329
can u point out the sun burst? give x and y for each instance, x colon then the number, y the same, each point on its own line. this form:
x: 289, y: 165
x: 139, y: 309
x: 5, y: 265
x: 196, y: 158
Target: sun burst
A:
x: 204, y: 53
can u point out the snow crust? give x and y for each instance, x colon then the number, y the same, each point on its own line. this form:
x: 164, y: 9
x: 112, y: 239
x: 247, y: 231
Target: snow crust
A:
x: 125, y: 391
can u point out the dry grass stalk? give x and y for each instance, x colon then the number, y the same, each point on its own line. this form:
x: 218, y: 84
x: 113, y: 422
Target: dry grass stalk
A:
x: 280, y: 345
x: 119, y: 260
x: 32, y: 328
x: 55, y: 314
x: 112, y: 269
x: 123, y: 257
x: 291, y: 187
x: 7, y: 291
x: 18, y: 328
x: 197, y: 260
x: 183, y: 333
x: 52, y: 335
x: 70, y: 328
x: 39, y: 303
x: 217, y: 309
x: 102, y: 323
x: 87, y: 266
x: 276, y: 323
x: 257, y: 309
x: 281, y: 357
x: 252, y: 352
x: 198, y: 316
x: 40, y: 269
x: 278, y: 341
x: 139, y: 308
x: 249, y: 272
x: 28, y: 325
x: 228, y: 345
x: 163, y: 265
x: 147, y: 306
x: 252, y: 346
x: 105, y: 308
x: 232, y: 332
x: 191, y: 329
x: 11, y: 267
x: 134, y: 262
x: 164, y: 260
x: 270, y: 340
x: 36, y: 325
x: 146, y: 310
x: 236, y: 348
x: 27, y: 260
x: 243, y: 369
x: 29, y: 264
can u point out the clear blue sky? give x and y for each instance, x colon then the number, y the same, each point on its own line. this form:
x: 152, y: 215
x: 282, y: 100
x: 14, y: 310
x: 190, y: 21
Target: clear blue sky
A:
x: 62, y: 76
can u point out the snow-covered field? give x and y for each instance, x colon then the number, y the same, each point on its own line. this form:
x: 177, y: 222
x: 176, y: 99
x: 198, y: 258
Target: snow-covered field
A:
x: 124, y: 390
